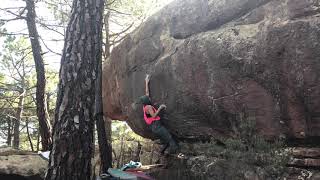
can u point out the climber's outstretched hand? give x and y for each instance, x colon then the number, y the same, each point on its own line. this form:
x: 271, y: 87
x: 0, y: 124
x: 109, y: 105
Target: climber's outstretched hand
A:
x: 162, y: 106
x: 147, y: 79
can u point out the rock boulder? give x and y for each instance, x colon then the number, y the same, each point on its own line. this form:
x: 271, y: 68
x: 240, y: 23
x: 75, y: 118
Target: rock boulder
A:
x: 18, y: 165
x: 219, y: 63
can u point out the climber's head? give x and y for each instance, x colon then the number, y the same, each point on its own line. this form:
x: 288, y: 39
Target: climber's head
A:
x: 145, y: 100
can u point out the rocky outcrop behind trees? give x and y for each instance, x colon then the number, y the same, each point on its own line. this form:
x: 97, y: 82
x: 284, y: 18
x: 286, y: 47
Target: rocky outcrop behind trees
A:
x: 219, y: 63
x: 21, y: 165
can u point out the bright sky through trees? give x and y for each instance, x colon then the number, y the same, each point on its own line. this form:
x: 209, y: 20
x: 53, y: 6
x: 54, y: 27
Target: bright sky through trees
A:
x: 51, y: 39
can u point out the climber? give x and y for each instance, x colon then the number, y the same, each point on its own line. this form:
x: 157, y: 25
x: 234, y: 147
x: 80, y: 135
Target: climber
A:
x: 152, y: 119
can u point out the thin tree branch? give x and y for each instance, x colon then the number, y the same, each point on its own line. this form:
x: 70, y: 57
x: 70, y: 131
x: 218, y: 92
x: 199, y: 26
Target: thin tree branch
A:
x: 13, y: 34
x: 47, y: 26
x: 9, y: 8
x: 123, y: 31
x: 119, y: 12
x: 110, y: 3
x: 13, y: 13
x: 114, y: 42
x: 12, y: 19
x: 48, y: 47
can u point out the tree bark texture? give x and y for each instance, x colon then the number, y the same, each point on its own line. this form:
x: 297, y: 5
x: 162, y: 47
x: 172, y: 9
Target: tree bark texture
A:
x: 9, y: 137
x: 42, y: 113
x: 137, y: 152
x: 16, y: 130
x: 49, y: 110
x: 107, y: 35
x: 72, y: 149
x: 105, y: 148
x: 104, y: 140
x: 38, y: 139
x: 29, y: 136
x: 120, y: 156
x: 104, y: 143
x: 151, y: 154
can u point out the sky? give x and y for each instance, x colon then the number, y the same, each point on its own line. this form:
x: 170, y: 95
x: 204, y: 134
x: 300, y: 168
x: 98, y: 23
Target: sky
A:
x: 52, y: 60
x: 20, y: 26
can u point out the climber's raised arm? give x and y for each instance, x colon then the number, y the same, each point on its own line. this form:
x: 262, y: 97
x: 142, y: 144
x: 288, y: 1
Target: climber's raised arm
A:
x: 147, y: 80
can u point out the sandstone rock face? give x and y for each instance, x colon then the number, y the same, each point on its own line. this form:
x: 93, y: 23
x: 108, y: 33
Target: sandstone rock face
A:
x: 217, y: 63
x: 305, y: 157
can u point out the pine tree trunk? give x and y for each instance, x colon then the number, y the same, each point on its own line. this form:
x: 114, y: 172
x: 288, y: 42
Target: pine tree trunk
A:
x: 72, y: 149
x: 107, y: 39
x: 9, y: 137
x: 151, y: 154
x: 16, y: 130
x: 48, y: 109
x: 121, y: 153
x: 137, y: 153
x: 38, y: 140
x: 28, y: 134
x: 104, y: 143
x: 115, y: 157
x: 107, y: 125
x: 42, y: 113
x: 103, y: 131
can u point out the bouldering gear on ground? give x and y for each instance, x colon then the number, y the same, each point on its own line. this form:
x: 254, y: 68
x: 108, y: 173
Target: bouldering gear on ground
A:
x: 131, y: 164
x: 117, y: 173
x: 130, y: 171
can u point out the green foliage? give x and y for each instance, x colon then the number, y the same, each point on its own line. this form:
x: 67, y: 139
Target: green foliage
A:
x: 252, y: 153
x: 122, y: 130
x: 246, y: 155
x: 122, y: 135
x: 34, y: 133
x: 2, y: 30
x: 137, y: 9
x: 61, y: 10
x: 235, y: 145
x: 17, y: 75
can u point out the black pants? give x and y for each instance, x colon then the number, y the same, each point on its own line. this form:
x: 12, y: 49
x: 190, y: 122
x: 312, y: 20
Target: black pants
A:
x: 163, y: 134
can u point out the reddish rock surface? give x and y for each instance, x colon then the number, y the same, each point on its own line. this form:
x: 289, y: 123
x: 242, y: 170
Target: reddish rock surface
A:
x: 306, y: 152
x: 217, y: 63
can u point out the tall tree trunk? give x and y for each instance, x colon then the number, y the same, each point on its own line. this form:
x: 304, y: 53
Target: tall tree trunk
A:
x: 105, y: 148
x: 107, y: 122
x: 42, y: 113
x: 48, y: 108
x: 38, y: 140
x: 137, y: 153
x: 114, y: 160
x: 151, y: 154
x: 120, y: 153
x: 104, y: 143
x: 104, y: 140
x: 72, y: 148
x: 107, y: 35
x: 28, y: 134
x: 16, y: 130
x: 9, y: 137
x: 48, y: 103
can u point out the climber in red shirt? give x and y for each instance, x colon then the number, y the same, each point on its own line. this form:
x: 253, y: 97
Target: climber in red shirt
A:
x: 152, y: 119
